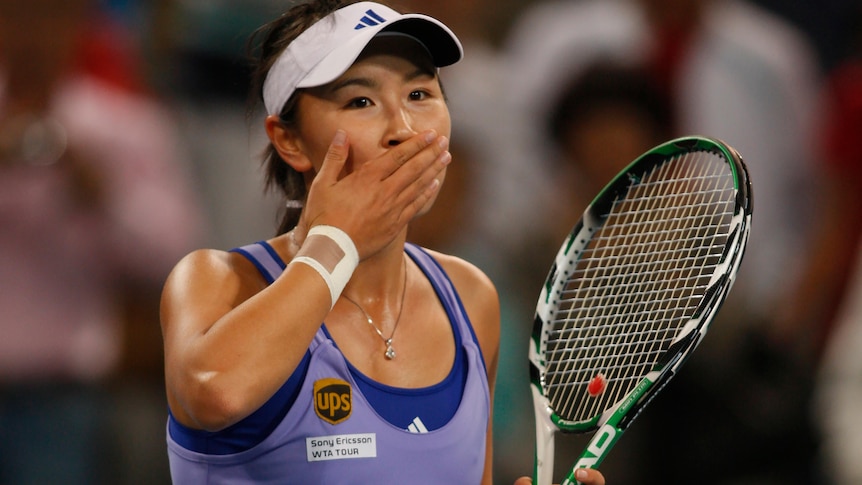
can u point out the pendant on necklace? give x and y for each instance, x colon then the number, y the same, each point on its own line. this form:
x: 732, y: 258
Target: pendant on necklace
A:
x: 390, y: 352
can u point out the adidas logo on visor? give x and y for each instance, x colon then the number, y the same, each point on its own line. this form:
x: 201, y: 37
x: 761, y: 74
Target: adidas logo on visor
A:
x: 370, y: 19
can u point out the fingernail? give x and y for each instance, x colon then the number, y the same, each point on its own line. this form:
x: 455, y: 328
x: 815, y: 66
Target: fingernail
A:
x: 580, y: 474
x: 430, y: 135
x: 340, y: 138
x: 443, y: 142
x: 445, y: 158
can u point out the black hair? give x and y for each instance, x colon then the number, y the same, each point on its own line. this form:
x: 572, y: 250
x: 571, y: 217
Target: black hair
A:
x: 602, y: 84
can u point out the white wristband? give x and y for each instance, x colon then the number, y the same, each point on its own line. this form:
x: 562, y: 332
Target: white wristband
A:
x: 331, y: 252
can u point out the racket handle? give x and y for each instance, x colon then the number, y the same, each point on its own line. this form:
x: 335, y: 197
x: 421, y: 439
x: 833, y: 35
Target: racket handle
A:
x: 543, y: 473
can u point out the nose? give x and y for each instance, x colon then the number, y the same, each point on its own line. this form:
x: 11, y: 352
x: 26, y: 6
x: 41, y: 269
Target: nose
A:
x: 400, y: 128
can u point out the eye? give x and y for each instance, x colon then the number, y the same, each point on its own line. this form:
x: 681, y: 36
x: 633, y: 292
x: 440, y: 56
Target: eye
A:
x: 418, y: 95
x: 359, y: 103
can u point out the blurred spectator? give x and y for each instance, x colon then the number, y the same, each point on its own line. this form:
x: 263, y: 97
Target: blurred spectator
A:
x: 607, y: 116
x: 807, y: 314
x: 203, y: 69
x: 206, y: 41
x: 733, y: 71
x: 823, y: 20
x: 94, y: 210
x: 826, y: 308
x: 839, y: 388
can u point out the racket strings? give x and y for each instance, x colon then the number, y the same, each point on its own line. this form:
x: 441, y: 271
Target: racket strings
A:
x: 632, y: 346
x: 639, y: 348
x: 618, y: 278
x: 600, y: 344
x: 687, y: 297
x: 638, y: 282
x: 634, y: 353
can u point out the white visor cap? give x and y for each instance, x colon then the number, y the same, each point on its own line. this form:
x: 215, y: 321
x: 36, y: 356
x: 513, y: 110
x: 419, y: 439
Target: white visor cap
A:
x: 329, y: 47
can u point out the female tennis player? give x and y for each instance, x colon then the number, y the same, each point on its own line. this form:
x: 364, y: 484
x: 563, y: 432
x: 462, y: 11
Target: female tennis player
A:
x: 335, y: 352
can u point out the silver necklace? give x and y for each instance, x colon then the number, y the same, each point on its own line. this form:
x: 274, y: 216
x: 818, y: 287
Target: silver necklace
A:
x: 390, y: 351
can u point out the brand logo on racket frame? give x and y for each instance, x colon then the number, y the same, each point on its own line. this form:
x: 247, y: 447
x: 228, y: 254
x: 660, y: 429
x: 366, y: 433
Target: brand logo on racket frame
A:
x: 601, y: 442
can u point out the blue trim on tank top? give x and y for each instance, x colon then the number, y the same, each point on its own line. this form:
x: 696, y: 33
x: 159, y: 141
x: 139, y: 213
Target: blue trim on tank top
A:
x: 415, y: 253
x: 249, y: 431
x: 260, y: 265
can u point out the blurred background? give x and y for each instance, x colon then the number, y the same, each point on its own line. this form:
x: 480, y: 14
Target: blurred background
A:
x: 127, y: 139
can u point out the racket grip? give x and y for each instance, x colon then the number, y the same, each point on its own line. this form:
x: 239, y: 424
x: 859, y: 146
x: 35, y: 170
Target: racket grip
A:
x: 543, y: 473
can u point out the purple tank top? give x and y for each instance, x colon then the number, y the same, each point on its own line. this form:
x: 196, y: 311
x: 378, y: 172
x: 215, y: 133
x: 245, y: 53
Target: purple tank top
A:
x: 332, y: 435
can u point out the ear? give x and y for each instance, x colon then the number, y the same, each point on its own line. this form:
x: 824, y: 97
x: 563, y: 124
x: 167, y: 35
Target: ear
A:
x: 287, y: 144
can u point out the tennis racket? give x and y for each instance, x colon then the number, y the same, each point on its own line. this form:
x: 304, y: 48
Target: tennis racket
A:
x: 632, y: 291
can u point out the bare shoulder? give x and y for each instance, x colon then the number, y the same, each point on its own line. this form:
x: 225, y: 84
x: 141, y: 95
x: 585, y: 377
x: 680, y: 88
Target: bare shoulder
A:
x: 479, y: 296
x: 470, y: 281
x: 209, y: 281
x: 213, y: 267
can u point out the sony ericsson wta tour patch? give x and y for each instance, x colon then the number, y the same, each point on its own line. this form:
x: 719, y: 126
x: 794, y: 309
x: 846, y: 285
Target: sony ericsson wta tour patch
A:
x: 341, y: 447
x: 332, y: 400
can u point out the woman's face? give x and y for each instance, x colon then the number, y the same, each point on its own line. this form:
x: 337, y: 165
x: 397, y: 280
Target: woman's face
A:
x: 390, y: 94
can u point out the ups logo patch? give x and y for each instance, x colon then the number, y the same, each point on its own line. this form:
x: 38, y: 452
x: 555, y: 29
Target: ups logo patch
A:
x: 332, y: 400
